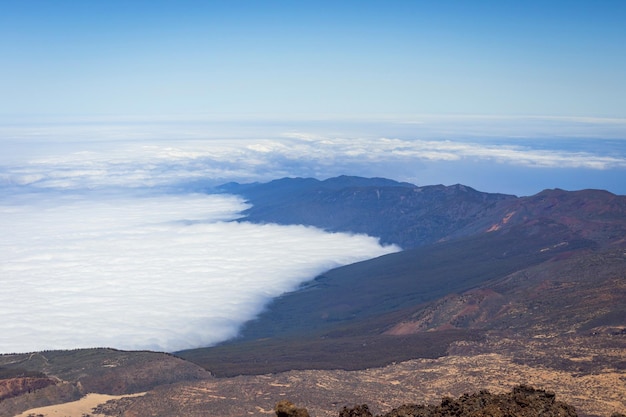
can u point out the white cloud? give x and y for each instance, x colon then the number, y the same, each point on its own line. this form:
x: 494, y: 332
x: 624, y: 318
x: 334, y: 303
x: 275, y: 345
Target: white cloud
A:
x: 160, y: 272
x: 144, y: 155
x: 163, y: 164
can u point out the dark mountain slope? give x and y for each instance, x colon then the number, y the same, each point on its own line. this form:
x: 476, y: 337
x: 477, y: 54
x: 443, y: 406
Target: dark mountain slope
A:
x: 513, y: 234
x: 454, y: 288
x: 399, y: 213
x: 413, y: 216
x: 583, y: 294
x: 399, y: 280
x: 574, y: 297
x: 350, y: 309
x: 595, y: 214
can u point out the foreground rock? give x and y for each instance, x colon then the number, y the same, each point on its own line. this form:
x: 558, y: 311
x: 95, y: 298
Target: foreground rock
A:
x: 288, y: 409
x: 523, y: 401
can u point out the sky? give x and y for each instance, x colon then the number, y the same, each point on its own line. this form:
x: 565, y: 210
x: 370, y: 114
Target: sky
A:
x: 118, y: 118
x: 303, y: 58
x: 542, y: 80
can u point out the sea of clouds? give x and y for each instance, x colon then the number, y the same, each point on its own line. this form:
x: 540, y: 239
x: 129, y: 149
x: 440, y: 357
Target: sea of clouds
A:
x: 111, y: 235
x: 150, y: 272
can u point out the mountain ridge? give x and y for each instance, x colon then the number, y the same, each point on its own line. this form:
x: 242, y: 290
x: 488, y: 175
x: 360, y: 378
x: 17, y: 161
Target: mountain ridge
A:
x: 412, y: 216
x: 423, y: 215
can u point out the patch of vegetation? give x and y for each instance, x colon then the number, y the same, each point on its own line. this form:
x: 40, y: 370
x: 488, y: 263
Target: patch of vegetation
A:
x: 274, y: 355
x: 8, y: 373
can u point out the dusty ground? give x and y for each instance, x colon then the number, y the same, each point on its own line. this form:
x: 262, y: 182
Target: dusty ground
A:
x: 586, y: 374
x: 78, y: 408
x: 324, y: 393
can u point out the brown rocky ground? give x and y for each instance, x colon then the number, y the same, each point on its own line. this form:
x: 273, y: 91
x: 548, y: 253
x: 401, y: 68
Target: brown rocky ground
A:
x: 73, y: 374
x: 13, y: 387
x: 596, y: 387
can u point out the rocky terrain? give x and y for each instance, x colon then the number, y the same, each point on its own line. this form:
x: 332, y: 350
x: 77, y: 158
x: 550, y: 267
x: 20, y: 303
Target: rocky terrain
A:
x: 523, y: 401
x: 586, y: 377
x: 69, y: 375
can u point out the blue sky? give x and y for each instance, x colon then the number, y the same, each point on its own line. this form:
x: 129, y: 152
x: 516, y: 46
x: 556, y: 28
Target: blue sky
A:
x: 303, y: 58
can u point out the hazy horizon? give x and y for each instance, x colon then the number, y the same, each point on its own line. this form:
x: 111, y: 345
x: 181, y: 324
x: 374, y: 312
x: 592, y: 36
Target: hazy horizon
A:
x: 512, y: 155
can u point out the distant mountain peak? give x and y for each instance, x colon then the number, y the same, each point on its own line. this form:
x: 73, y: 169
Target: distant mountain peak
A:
x: 412, y: 216
x: 354, y: 181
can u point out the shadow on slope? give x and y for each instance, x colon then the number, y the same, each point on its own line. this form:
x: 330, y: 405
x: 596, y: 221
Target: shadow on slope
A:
x: 393, y: 282
x: 322, y: 325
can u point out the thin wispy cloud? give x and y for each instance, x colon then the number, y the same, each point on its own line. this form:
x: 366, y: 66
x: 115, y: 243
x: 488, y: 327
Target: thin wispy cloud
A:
x: 388, y: 149
x: 207, y: 152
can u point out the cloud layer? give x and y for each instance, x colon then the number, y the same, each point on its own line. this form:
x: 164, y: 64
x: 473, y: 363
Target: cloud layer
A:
x: 178, y: 154
x: 151, y: 272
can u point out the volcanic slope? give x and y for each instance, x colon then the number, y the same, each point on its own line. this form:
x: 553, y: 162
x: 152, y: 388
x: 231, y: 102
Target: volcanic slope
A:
x: 434, y: 294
